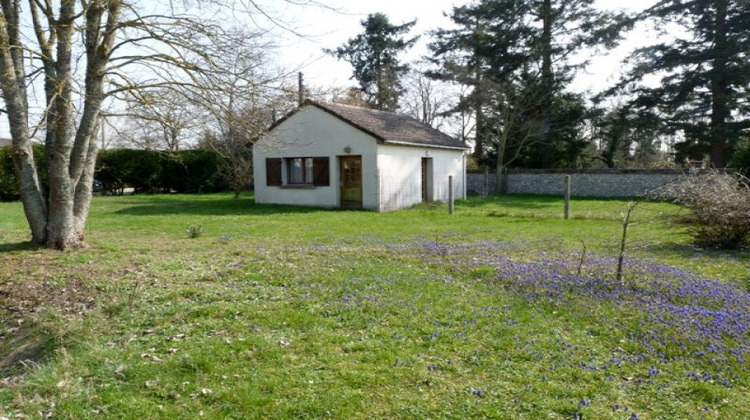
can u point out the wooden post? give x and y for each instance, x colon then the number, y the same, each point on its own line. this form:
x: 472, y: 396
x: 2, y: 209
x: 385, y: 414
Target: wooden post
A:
x: 301, y: 89
x: 486, y: 190
x: 567, y: 196
x: 451, y: 207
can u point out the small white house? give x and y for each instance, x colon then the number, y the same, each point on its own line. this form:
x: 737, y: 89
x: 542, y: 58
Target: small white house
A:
x: 340, y: 156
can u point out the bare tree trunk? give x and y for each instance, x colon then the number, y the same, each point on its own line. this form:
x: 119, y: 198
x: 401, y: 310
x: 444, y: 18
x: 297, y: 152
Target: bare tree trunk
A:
x: 720, y: 91
x: 500, y: 163
x: 548, y: 77
x: 14, y: 92
x: 84, y: 192
x: 60, y: 223
x: 34, y: 205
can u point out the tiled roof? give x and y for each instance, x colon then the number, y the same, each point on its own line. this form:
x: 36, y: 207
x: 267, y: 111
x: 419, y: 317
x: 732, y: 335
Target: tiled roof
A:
x: 389, y: 127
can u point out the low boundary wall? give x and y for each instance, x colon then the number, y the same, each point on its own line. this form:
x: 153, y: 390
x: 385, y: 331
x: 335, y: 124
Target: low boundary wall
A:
x: 583, y: 182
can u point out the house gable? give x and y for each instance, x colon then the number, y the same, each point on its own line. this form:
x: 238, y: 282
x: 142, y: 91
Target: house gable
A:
x: 311, y: 130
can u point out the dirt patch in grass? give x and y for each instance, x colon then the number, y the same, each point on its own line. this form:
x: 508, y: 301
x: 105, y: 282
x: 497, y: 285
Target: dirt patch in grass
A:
x: 67, y: 297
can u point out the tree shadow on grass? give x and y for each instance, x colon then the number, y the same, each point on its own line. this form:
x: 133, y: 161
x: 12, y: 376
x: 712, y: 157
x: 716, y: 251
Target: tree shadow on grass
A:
x: 512, y: 201
x: 218, y: 206
x: 18, y: 246
x: 688, y: 251
x: 529, y: 201
x: 26, y: 344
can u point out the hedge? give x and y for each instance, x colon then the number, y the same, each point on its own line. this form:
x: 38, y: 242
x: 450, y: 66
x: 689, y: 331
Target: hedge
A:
x: 187, y: 171
x: 192, y: 171
x: 146, y: 171
x: 8, y: 185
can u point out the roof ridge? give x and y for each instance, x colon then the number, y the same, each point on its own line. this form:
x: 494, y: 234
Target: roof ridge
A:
x: 389, y: 127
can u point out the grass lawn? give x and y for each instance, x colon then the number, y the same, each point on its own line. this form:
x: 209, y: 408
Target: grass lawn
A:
x: 284, y: 312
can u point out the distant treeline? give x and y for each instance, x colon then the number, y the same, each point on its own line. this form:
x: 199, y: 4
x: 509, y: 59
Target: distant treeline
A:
x: 145, y: 171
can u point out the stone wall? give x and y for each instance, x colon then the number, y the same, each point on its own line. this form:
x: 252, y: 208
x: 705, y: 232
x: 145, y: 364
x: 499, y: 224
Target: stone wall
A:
x: 583, y: 183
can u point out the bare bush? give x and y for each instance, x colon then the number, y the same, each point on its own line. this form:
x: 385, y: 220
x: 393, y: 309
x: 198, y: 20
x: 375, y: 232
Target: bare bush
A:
x: 721, y: 204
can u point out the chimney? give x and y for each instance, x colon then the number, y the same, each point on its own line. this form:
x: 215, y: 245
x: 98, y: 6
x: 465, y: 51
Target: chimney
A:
x: 301, y: 90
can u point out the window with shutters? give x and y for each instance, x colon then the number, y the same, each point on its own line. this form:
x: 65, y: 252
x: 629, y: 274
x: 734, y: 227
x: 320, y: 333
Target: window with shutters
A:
x: 300, y: 171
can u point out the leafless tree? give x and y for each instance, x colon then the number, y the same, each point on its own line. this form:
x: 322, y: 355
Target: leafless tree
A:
x: 463, y: 118
x: 242, y: 100
x: 426, y: 99
x: 511, y: 127
x: 349, y: 96
x: 94, y: 50
x: 160, y: 118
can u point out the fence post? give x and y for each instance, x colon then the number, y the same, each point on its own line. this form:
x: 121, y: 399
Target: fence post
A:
x: 567, y: 197
x: 486, y: 191
x: 451, y: 207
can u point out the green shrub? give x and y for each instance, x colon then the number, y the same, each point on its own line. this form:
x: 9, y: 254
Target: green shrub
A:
x: 8, y: 183
x: 194, y: 231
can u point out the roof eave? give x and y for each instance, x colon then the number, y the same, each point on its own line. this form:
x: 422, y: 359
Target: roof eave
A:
x: 380, y: 139
x: 432, y: 146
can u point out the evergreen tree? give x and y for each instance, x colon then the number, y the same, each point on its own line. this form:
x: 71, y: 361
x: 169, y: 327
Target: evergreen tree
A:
x: 705, y: 76
x: 374, y: 56
x: 484, y: 51
x: 503, y: 47
x: 627, y: 139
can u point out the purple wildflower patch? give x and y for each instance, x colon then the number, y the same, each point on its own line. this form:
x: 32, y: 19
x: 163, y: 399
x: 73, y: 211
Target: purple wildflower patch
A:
x: 682, y: 317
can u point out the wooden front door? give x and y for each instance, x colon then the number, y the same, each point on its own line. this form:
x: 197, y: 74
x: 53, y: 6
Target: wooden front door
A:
x: 350, y: 175
x: 427, y: 180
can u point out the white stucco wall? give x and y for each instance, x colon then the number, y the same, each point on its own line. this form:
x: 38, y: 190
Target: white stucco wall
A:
x: 311, y: 132
x: 391, y: 172
x: 400, y: 172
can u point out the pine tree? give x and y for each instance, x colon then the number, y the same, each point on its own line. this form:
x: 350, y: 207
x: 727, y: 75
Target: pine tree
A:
x: 505, y: 47
x: 705, y: 76
x: 374, y: 56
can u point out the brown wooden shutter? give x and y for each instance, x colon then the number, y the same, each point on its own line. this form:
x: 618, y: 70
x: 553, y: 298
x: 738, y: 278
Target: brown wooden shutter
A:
x: 273, y: 172
x: 321, y: 172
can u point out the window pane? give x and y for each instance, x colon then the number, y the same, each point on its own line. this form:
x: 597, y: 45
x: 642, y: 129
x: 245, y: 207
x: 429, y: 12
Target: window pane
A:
x: 295, y: 171
x: 308, y: 170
